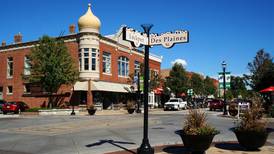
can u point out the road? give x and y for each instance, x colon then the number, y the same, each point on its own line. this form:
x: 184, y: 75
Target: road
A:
x: 97, y: 134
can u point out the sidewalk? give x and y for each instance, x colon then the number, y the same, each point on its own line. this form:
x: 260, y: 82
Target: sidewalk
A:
x: 216, y: 148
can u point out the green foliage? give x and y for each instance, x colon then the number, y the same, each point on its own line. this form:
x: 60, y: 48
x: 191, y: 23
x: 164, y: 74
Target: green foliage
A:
x: 196, y: 83
x: 195, y: 124
x: 52, y: 65
x: 238, y: 86
x: 35, y: 109
x: 209, y: 88
x: 177, y: 80
x: 262, y: 71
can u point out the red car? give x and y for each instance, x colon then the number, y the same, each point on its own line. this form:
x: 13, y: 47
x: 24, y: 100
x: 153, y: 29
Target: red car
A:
x: 15, y: 107
x: 215, y: 104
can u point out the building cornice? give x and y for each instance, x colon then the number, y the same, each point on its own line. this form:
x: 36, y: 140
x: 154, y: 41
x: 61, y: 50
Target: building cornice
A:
x: 23, y: 45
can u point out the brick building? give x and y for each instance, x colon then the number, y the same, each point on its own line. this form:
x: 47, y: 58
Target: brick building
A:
x: 105, y: 63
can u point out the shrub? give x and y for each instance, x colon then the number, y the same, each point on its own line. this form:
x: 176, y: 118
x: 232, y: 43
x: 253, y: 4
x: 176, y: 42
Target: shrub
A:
x: 252, y: 118
x: 195, y: 124
x: 130, y: 105
x: 91, y: 107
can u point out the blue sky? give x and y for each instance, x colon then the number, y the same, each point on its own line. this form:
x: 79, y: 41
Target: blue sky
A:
x: 230, y: 30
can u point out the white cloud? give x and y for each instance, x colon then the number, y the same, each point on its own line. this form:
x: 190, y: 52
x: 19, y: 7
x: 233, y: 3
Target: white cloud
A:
x: 180, y: 61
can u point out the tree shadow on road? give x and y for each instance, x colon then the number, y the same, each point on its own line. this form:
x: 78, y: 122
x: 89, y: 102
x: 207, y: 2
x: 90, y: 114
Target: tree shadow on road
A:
x: 114, y: 143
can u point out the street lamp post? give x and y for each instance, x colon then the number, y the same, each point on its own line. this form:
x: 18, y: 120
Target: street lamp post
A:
x: 145, y: 147
x: 224, y: 86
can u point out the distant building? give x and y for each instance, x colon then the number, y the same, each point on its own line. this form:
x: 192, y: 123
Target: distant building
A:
x: 105, y: 63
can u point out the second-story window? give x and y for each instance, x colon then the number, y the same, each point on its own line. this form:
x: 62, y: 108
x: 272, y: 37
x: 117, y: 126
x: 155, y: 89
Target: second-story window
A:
x: 27, y: 65
x: 10, y: 67
x: 107, y: 62
x: 86, y: 59
x: 123, y: 66
x: 93, y: 59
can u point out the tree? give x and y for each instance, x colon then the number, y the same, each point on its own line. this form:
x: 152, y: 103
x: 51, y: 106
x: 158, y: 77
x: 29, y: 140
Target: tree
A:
x: 261, y: 71
x: 209, y: 87
x: 177, y: 80
x: 196, y: 83
x: 238, y: 86
x: 52, y: 66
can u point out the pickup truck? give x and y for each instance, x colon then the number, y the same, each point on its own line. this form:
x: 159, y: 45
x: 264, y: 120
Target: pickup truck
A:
x: 175, y: 104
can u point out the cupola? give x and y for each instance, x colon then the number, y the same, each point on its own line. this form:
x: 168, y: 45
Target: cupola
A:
x: 89, y: 22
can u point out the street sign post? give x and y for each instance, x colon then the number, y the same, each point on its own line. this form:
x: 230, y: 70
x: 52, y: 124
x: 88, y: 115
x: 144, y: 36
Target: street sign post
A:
x: 138, y: 39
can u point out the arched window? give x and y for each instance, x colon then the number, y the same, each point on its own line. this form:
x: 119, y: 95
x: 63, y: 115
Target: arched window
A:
x: 123, y: 66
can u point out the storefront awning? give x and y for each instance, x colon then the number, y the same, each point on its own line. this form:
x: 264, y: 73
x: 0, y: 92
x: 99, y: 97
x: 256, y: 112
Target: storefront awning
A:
x: 102, y: 86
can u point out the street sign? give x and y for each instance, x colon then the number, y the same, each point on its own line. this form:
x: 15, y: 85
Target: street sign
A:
x: 190, y: 92
x: 136, y: 38
x: 169, y: 39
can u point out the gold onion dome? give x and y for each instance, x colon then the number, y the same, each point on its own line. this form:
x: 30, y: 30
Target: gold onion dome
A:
x: 89, y: 20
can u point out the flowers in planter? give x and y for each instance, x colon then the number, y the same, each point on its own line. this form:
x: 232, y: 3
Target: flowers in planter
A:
x: 252, y: 118
x: 251, y: 132
x: 130, y: 105
x: 196, y: 124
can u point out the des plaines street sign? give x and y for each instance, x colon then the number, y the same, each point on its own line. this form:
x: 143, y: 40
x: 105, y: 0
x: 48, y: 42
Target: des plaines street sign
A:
x: 167, y: 39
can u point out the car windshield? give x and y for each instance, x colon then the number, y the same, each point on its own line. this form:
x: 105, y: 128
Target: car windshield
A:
x: 173, y: 100
x: 11, y: 102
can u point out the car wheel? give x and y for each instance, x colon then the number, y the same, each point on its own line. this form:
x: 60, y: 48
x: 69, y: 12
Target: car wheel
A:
x: 210, y: 109
x: 4, y: 112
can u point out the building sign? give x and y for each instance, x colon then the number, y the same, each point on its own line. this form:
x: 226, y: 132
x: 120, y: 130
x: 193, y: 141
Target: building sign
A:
x: 227, y: 80
x: 169, y: 39
x: 135, y: 37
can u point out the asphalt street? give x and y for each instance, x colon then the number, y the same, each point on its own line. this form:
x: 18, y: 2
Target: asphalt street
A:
x: 98, y: 134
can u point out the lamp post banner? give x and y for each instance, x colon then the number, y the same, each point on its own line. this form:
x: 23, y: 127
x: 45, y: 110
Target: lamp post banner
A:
x: 168, y: 39
x: 227, y: 80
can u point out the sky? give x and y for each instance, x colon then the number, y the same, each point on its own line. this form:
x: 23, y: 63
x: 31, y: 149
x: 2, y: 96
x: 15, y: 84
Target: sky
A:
x: 219, y: 30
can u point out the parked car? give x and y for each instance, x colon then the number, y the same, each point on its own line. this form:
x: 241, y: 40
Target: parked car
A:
x: 2, y: 102
x: 15, y: 107
x: 175, y: 104
x: 215, y: 104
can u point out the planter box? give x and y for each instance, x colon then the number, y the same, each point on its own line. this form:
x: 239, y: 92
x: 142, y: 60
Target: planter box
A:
x: 58, y: 112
